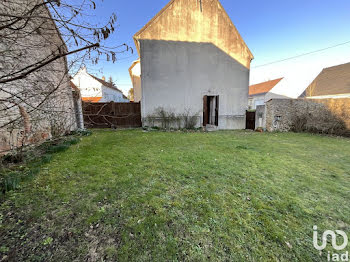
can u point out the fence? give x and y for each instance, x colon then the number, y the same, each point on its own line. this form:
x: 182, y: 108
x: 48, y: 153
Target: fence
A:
x: 112, y: 115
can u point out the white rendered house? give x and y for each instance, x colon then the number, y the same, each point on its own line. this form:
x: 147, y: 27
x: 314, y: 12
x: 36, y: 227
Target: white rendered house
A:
x: 260, y: 93
x: 96, y: 90
x: 192, y: 61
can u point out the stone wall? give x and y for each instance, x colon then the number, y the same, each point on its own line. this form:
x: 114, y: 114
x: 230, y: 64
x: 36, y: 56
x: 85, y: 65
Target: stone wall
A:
x: 316, y: 115
x: 40, y: 105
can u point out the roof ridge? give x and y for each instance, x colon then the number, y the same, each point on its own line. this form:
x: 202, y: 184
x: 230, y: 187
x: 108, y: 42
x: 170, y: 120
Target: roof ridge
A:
x: 154, y: 18
x: 264, y: 87
x: 105, y: 83
x: 268, y: 81
x: 330, y: 81
x: 234, y: 26
x: 330, y: 67
x: 243, y: 58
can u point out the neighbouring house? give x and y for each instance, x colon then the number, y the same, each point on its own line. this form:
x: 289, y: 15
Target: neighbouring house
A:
x: 96, y: 90
x: 41, y: 105
x: 332, y: 82
x: 260, y: 93
x: 193, y: 62
x: 135, y: 75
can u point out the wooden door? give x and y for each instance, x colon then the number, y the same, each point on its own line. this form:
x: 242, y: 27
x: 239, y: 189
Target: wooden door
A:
x: 217, y: 111
x: 205, y: 111
x: 250, y: 120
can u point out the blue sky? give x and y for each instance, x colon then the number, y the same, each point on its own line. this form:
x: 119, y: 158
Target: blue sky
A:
x: 272, y: 29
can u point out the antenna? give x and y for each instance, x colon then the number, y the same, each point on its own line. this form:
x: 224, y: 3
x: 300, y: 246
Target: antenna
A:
x: 200, y: 3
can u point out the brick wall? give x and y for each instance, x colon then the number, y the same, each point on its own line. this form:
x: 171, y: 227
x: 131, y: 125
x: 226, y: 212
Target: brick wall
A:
x: 320, y: 114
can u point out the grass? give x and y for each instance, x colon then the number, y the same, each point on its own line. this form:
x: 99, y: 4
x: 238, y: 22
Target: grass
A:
x: 160, y: 196
x: 23, y: 165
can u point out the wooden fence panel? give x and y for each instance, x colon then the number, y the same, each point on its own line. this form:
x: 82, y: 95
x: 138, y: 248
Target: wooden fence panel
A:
x: 110, y: 115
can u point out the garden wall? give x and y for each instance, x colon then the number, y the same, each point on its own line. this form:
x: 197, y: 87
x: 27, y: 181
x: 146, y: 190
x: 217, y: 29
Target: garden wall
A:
x: 41, y: 105
x: 321, y: 116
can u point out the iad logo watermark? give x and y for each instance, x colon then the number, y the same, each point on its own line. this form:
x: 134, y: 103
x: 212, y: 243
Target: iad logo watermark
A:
x: 332, y: 256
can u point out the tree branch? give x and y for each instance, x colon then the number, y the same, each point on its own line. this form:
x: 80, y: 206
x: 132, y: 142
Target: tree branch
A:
x: 23, y: 75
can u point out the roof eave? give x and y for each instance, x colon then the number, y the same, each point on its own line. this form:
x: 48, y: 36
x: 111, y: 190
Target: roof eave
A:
x: 258, y: 94
x: 154, y: 18
x: 239, y: 34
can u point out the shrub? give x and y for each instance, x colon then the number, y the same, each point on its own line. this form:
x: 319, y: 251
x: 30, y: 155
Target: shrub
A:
x: 190, y: 121
x: 23, y: 165
x: 82, y: 132
x: 322, y: 123
x: 299, y: 123
x: 10, y: 182
x: 13, y: 158
x: 46, y: 158
x: 170, y: 120
x: 167, y: 119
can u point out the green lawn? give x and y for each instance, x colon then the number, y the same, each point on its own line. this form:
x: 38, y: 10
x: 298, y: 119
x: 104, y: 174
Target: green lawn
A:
x: 160, y: 196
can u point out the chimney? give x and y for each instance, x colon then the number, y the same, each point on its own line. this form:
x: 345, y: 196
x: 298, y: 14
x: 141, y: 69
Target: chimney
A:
x: 104, y: 78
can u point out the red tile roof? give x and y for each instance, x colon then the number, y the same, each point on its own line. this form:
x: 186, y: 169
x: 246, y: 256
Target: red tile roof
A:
x: 263, y: 88
x: 91, y: 99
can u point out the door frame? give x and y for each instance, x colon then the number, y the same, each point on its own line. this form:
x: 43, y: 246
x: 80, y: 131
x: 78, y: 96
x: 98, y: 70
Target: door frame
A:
x: 250, y: 120
x: 206, y: 110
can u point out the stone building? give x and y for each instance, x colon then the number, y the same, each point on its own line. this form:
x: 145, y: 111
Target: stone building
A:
x: 193, y: 61
x: 41, y: 104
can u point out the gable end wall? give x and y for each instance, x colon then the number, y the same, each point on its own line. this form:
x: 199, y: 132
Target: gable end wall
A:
x: 176, y: 76
x: 184, y: 20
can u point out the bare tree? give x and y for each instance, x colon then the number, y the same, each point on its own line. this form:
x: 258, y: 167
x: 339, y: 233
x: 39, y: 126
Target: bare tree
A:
x: 36, y: 38
x: 131, y: 94
x: 110, y: 80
